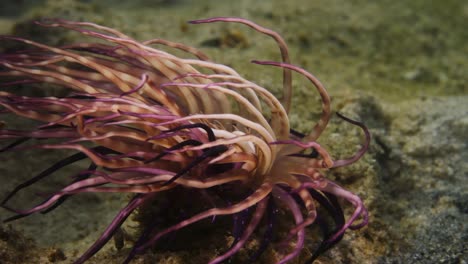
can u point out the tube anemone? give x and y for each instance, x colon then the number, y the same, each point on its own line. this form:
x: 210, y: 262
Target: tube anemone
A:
x: 150, y: 122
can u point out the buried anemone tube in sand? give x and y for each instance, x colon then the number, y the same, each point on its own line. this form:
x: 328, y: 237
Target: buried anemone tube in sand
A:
x: 150, y: 122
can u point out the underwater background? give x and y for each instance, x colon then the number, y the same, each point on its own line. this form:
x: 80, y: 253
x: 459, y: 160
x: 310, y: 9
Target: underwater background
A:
x: 401, y: 67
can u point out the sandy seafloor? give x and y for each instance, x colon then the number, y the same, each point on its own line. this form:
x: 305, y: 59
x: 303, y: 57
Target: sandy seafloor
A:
x: 399, y: 66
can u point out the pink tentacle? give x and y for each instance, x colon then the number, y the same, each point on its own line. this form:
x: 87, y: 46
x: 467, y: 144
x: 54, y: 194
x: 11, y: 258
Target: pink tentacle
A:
x: 287, y: 77
x: 284, y: 197
x: 257, y: 216
x: 326, y: 109
x: 359, y: 210
x: 253, y: 199
x: 360, y: 152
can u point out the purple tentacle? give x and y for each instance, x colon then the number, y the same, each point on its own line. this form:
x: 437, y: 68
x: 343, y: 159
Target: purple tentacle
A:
x: 360, y: 152
x: 331, y: 205
x: 144, y: 79
x: 286, y: 198
x: 14, y: 144
x: 269, y: 232
x: 92, y: 167
x: 257, y: 216
x: 239, y: 225
x: 57, y: 166
x: 136, y: 201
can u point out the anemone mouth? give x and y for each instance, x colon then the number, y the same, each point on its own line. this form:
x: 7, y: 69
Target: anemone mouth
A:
x: 152, y: 124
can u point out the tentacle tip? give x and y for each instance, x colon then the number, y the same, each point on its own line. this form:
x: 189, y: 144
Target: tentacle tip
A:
x: 7, y: 220
x: 363, y: 223
x: 194, y: 22
x: 44, y: 21
x: 8, y: 208
x: 17, y: 215
x: 208, y: 20
x: 4, y: 201
x: 340, y: 115
x: 335, y: 238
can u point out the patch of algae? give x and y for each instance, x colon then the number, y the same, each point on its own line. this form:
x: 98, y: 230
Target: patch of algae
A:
x: 14, y: 246
x: 383, y: 62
